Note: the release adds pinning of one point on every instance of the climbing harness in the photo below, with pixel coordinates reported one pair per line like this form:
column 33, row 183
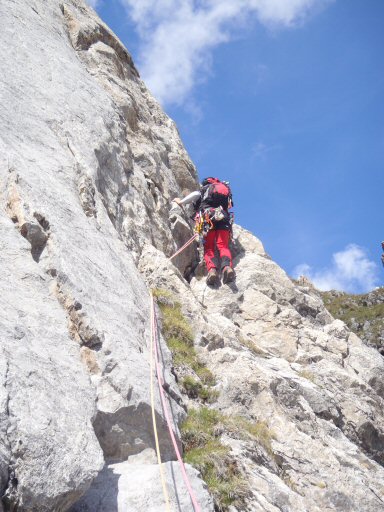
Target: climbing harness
column 205, row 219
column 155, row 357
column 204, row 222
column 216, row 200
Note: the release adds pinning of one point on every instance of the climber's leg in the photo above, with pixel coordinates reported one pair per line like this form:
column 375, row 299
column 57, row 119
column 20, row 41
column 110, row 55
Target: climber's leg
column 209, row 250
column 222, row 242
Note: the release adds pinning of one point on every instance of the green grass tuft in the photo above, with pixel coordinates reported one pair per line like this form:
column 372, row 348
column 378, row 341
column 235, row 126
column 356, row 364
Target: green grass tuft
column 259, row 430
column 204, row 374
column 201, row 433
column 191, row 386
column 195, row 389
column 179, row 337
column 203, row 450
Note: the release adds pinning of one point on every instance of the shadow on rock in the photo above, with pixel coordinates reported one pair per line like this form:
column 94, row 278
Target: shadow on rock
column 103, row 494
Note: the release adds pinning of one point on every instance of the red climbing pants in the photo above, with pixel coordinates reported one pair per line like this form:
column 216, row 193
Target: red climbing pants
column 221, row 237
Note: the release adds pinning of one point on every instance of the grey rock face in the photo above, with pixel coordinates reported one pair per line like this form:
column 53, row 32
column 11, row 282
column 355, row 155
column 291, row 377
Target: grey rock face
column 89, row 164
column 136, row 486
column 141, row 165
column 362, row 313
column 49, row 451
column 282, row 361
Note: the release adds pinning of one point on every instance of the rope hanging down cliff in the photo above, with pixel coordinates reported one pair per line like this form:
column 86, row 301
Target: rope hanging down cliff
column 192, row 239
column 152, row 349
column 155, row 357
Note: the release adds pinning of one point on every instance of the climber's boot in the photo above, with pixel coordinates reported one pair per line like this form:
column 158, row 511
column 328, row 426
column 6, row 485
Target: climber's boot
column 212, row 277
column 228, row 274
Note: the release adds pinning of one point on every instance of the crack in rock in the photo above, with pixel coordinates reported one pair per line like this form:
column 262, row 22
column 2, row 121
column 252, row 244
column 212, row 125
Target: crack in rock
column 79, row 324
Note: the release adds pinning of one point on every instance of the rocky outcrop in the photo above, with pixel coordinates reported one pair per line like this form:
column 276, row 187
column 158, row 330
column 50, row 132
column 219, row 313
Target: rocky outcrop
column 363, row 314
column 280, row 359
column 135, row 483
column 89, row 164
column 47, row 403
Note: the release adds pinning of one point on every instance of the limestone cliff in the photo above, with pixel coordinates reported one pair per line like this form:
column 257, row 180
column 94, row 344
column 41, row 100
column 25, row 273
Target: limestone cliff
column 88, row 165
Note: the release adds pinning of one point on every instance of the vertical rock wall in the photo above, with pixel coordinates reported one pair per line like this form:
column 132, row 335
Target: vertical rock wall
column 88, row 165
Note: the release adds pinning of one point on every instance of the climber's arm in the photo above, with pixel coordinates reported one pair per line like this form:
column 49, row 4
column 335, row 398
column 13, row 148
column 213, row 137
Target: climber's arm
column 190, row 198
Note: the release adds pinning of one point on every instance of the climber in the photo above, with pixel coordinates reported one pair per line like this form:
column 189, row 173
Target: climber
column 211, row 204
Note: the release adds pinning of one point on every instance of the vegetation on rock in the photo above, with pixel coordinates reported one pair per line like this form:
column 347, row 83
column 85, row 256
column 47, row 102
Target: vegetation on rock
column 203, row 449
column 195, row 389
column 203, row 428
column 179, row 337
column 363, row 314
column 202, row 432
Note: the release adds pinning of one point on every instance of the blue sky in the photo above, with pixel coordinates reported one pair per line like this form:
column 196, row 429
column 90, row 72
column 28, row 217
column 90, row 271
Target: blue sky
column 284, row 98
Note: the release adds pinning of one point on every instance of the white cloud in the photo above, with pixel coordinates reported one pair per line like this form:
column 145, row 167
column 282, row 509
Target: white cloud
column 351, row 271
column 177, row 36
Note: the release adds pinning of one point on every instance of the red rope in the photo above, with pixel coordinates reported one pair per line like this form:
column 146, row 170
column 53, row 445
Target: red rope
column 196, row 506
column 185, row 246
